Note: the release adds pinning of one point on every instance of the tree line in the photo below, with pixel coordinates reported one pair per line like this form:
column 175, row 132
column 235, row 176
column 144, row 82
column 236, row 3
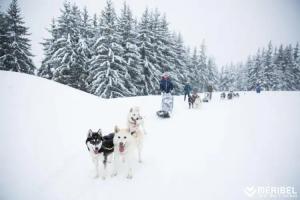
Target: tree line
column 114, row 55
column 273, row 68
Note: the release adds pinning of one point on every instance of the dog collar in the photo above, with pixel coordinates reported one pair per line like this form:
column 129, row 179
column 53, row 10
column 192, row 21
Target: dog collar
column 107, row 148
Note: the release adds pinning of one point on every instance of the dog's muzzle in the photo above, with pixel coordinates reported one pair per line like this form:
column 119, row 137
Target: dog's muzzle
column 121, row 147
column 96, row 150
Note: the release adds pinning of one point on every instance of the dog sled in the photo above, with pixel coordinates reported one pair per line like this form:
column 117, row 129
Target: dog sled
column 166, row 106
column 206, row 97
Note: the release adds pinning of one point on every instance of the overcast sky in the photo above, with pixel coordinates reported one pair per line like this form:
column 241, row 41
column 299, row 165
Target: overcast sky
column 232, row 29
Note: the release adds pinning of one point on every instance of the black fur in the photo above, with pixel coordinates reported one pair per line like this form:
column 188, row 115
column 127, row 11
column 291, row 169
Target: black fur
column 192, row 100
column 107, row 146
column 94, row 138
column 223, row 95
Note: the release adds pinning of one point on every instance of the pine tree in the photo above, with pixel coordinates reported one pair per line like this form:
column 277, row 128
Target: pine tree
column 166, row 52
column 269, row 70
column 148, row 57
column 15, row 47
column 47, row 68
column 242, row 77
column 254, row 71
column 181, row 60
column 108, row 68
column 202, row 71
column 289, row 78
column 193, row 68
column 296, row 66
column 227, row 79
column 4, row 39
column 134, row 78
column 279, row 62
column 212, row 76
column 65, row 52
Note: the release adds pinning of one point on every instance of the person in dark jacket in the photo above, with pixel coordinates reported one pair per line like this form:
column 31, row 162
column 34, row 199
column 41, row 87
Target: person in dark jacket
column 166, row 85
column 187, row 90
column 258, row 88
column 210, row 90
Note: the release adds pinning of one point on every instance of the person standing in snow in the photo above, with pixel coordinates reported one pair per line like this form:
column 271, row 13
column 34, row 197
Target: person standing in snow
column 210, row 90
column 258, row 88
column 187, row 90
column 166, row 87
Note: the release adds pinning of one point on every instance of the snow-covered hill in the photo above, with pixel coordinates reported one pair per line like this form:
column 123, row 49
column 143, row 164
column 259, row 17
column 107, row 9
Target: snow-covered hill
column 211, row 153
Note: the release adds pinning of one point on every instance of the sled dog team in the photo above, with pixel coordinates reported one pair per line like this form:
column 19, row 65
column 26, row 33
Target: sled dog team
column 121, row 145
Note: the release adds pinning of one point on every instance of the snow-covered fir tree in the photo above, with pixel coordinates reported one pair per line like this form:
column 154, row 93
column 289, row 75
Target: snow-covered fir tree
column 181, row 60
column 47, row 68
column 274, row 69
column 201, row 69
column 134, row 79
column 15, row 48
column 107, row 67
column 165, row 50
column 193, row 70
column 212, row 76
column 66, row 52
column 254, row 71
column 269, row 71
column 226, row 79
column 148, row 58
column 296, row 66
column 4, row 39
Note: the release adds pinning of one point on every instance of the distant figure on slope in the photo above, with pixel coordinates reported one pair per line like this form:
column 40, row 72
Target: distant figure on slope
column 166, row 87
column 187, row 90
column 210, row 90
column 258, row 88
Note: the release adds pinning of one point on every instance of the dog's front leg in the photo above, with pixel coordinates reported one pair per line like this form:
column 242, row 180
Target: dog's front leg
column 129, row 167
column 143, row 127
column 116, row 164
column 96, row 163
column 104, row 166
column 139, row 148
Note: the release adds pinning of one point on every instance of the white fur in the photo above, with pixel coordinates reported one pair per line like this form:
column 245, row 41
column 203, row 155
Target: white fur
column 126, row 157
column 197, row 103
column 136, row 125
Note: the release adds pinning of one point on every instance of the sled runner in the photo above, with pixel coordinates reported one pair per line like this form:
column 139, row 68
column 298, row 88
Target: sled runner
column 166, row 106
column 163, row 114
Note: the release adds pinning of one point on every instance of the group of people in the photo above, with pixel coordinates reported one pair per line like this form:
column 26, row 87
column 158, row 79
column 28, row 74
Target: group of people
column 166, row 86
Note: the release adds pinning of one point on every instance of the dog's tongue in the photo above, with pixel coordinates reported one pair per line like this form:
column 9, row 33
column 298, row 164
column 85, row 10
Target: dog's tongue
column 121, row 148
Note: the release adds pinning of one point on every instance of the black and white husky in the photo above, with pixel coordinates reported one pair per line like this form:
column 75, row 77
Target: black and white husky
column 100, row 147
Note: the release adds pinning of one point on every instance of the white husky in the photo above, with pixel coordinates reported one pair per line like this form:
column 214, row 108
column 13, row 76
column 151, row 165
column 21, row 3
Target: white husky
column 135, row 124
column 124, row 148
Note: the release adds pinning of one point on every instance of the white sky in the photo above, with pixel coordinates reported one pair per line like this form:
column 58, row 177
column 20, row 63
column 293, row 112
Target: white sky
column 232, row 29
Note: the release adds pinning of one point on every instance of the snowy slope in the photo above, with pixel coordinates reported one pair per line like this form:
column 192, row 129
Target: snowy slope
column 211, row 153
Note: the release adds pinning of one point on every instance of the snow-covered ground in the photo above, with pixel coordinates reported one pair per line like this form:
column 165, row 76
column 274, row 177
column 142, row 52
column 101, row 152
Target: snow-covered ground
column 211, row 153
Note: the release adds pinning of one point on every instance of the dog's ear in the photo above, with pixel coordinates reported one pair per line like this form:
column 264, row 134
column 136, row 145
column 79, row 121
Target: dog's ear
column 100, row 132
column 131, row 109
column 90, row 132
column 133, row 133
column 117, row 129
